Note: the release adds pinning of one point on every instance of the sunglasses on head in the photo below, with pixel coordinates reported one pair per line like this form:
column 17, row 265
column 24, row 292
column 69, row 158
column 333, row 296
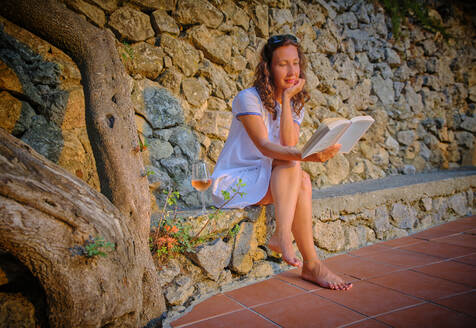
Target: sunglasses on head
column 275, row 39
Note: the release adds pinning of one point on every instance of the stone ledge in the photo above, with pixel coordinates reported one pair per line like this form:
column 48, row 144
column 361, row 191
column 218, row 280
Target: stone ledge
column 408, row 188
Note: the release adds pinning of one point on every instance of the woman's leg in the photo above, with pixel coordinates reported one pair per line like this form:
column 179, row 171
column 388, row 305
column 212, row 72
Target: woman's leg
column 313, row 269
column 284, row 186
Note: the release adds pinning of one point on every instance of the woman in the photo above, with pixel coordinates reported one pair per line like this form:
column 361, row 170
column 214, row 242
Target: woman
column 261, row 151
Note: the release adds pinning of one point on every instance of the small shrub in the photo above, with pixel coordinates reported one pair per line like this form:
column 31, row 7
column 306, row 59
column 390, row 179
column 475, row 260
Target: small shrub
column 172, row 237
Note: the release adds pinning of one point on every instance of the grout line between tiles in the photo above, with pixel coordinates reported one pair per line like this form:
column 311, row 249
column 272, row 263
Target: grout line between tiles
column 207, row 318
column 402, row 292
column 442, row 278
column 362, row 320
column 448, row 308
column 266, row 318
column 456, row 294
column 343, row 305
column 375, row 316
column 259, row 314
column 273, row 301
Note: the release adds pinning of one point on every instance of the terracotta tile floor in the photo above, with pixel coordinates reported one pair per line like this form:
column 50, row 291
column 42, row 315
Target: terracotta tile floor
column 425, row 280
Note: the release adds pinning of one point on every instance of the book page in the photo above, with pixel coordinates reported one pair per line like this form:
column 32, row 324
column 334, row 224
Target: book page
column 325, row 137
column 358, row 127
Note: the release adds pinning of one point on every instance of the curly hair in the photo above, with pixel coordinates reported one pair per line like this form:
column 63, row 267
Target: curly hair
column 263, row 80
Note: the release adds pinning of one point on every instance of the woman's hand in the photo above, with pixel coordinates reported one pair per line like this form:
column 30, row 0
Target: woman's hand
column 324, row 155
column 295, row 89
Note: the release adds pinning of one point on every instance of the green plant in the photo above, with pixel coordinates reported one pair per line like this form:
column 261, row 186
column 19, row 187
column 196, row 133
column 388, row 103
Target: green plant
column 93, row 246
column 401, row 9
column 128, row 53
column 172, row 236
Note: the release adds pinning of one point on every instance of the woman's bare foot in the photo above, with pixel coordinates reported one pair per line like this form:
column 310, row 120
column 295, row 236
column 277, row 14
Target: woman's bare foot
column 287, row 251
column 318, row 273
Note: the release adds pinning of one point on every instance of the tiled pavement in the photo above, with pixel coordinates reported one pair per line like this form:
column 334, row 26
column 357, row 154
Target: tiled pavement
column 427, row 279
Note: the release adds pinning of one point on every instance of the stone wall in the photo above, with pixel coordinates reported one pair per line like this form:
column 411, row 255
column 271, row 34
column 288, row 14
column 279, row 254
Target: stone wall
column 188, row 58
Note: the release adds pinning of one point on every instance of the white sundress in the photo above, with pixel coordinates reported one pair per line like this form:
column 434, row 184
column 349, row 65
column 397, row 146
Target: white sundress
column 240, row 158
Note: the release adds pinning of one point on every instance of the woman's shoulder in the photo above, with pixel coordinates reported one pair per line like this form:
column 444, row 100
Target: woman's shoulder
column 249, row 92
column 247, row 100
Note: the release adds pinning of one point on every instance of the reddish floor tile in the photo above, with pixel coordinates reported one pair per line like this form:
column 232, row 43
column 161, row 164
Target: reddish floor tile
column 436, row 232
column 469, row 219
column 463, row 239
column 361, row 268
column 215, row 305
column 369, row 249
column 263, row 292
column 457, row 272
column 469, row 259
column 337, row 259
column 369, row 323
column 403, row 241
column 244, row 318
column 462, row 303
column 369, row 299
column 427, row 315
column 460, row 225
column 419, row 284
column 401, row 258
column 307, row 310
column 439, row 249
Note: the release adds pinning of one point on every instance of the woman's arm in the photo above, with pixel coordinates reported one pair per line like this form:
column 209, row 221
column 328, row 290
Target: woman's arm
column 256, row 130
column 288, row 129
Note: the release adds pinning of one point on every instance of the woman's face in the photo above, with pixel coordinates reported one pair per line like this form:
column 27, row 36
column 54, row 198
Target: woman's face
column 285, row 68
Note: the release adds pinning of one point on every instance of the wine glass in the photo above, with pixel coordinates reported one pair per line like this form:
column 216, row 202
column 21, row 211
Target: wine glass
column 201, row 179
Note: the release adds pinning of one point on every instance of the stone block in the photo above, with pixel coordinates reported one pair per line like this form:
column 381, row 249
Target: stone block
column 215, row 45
column 162, row 109
column 329, row 236
column 183, row 54
column 236, row 14
column 215, row 123
column 403, row 215
column 180, row 290
column 244, row 248
column 261, row 19
column 198, row 11
column 383, row 89
column 162, row 22
column 458, row 204
column 212, row 257
column 131, row 24
column 168, row 272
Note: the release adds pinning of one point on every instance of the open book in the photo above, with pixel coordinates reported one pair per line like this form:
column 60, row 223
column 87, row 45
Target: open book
column 337, row 130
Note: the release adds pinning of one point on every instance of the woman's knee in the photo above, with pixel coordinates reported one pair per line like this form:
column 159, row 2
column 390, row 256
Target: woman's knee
column 286, row 164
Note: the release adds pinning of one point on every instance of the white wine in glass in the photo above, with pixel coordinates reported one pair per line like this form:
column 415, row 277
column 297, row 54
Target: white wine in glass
column 201, row 180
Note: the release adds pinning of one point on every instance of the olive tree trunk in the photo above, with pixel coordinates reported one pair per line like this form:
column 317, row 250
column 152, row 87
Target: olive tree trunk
column 44, row 211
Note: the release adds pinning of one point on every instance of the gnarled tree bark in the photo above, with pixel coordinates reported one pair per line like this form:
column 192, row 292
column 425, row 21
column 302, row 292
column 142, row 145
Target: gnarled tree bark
column 44, row 211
